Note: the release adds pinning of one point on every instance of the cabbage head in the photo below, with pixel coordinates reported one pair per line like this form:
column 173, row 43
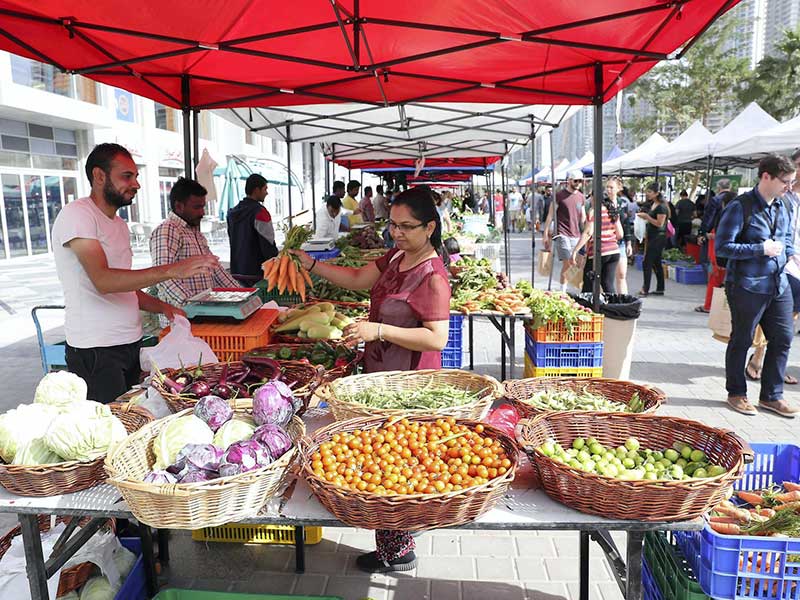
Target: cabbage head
column 23, row 424
column 90, row 408
column 233, row 431
column 36, row 452
column 60, row 387
column 175, row 435
column 78, row 437
column 98, row 588
column 273, row 403
column 124, row 559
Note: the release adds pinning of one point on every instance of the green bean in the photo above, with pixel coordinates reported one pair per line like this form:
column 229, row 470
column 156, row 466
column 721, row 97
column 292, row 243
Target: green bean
column 424, row 398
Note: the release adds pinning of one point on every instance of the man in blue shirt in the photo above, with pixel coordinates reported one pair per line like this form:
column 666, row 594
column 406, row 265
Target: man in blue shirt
column 755, row 234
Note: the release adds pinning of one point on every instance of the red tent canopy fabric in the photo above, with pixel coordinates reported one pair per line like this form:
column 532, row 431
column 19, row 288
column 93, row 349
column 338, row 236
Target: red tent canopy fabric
column 210, row 54
column 455, row 163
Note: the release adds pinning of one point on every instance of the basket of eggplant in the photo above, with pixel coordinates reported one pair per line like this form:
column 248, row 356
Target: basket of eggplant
column 182, row 388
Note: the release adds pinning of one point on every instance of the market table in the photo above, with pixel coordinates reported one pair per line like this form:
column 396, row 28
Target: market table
column 505, row 325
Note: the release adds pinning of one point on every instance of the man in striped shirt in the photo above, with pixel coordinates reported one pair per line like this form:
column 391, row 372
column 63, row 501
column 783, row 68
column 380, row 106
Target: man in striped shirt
column 179, row 237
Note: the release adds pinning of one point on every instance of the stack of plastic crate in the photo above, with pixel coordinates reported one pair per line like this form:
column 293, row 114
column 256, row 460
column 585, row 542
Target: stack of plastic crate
column 452, row 353
column 553, row 350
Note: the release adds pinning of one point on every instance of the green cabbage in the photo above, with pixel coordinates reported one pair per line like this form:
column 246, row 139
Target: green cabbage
column 90, row 408
column 76, row 436
column 23, row 424
column 36, row 452
column 60, row 387
column 124, row 560
column 98, row 588
column 175, row 435
column 70, row 596
column 233, row 431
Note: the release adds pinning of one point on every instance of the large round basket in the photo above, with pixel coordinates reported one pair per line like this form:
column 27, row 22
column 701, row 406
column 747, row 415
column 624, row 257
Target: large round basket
column 302, row 377
column 404, row 512
column 71, row 476
column 70, row 578
column 641, row 500
column 192, row 505
column 328, row 374
column 518, row 391
column 486, row 388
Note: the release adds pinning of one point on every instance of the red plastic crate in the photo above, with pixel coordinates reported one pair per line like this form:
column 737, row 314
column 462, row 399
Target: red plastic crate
column 583, row 331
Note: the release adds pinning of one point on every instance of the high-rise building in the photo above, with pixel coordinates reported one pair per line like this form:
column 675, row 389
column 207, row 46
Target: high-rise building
column 780, row 16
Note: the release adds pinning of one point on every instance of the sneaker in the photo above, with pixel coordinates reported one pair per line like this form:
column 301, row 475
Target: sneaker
column 742, row 405
column 372, row 564
column 780, row 407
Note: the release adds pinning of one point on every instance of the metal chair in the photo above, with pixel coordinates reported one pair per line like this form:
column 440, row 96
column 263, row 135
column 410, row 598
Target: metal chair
column 54, row 356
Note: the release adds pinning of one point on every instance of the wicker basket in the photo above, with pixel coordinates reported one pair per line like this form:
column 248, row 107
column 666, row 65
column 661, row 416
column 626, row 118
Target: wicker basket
column 327, row 375
column 283, row 338
column 641, row 500
column 71, row 476
column 305, row 375
column 192, row 505
column 407, row 512
column 517, row 391
column 487, row 388
column 70, row 578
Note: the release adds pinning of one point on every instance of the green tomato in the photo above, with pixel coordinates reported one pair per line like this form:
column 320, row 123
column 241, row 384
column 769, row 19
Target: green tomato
column 671, row 455
column 700, row 473
column 575, row 464
column 676, row 471
column 698, row 456
column 649, row 468
column 590, row 441
column 682, row 462
column 579, row 443
column 651, row 476
column 596, row 448
column 658, row 455
column 633, row 454
column 583, row 456
column 665, row 463
column 716, row 470
column 609, row 456
column 628, row 463
column 558, row 459
column 691, row 468
column 572, row 452
column 547, row 449
column 611, row 471
column 632, row 443
column 638, row 460
column 589, row 465
column 686, row 451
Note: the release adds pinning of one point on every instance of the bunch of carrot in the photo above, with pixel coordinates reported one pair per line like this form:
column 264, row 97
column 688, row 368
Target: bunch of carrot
column 284, row 272
column 773, row 511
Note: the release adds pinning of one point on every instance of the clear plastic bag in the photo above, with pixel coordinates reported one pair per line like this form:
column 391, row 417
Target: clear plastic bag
column 178, row 347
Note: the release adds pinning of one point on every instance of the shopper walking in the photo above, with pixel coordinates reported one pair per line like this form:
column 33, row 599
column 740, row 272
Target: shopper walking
column 655, row 241
column 626, row 216
column 755, row 236
column 570, row 215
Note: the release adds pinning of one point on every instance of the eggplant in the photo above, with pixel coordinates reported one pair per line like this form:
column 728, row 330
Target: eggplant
column 239, row 376
column 197, row 388
column 183, row 379
column 238, row 390
column 198, row 372
column 263, row 366
column 222, row 389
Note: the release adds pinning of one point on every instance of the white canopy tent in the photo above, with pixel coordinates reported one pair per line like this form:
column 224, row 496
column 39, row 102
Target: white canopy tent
column 696, row 136
column 577, row 164
column 357, row 132
column 546, row 173
column 621, row 164
column 782, row 139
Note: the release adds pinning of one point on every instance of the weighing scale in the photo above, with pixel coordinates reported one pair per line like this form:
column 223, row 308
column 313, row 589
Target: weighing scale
column 223, row 303
column 321, row 245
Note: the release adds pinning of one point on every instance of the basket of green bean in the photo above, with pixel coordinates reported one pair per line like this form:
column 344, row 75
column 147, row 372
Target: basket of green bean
column 446, row 392
column 536, row 395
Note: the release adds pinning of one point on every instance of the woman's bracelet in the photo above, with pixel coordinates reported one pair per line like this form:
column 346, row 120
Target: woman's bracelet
column 380, row 332
column 314, row 264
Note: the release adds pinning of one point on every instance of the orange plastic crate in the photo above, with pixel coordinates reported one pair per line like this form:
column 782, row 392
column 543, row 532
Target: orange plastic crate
column 230, row 341
column 584, row 331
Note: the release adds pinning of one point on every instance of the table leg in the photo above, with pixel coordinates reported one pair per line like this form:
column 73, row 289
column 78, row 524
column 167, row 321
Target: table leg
column 299, row 549
column 633, row 582
column 34, row 557
column 148, row 558
column 583, row 580
column 471, row 339
column 512, row 345
column 163, row 545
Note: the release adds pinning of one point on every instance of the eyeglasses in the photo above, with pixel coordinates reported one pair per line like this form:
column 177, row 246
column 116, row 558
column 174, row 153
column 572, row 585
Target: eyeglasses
column 405, row 227
column 789, row 182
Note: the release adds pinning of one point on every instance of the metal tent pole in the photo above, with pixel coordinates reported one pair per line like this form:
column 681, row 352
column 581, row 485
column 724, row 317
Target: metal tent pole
column 327, row 176
column 289, row 169
column 195, row 138
column 187, row 133
column 530, row 204
column 313, row 190
column 504, row 177
column 554, row 204
column 597, row 182
column 491, row 201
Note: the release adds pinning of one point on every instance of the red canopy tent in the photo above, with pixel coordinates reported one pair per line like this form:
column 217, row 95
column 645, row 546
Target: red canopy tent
column 207, row 54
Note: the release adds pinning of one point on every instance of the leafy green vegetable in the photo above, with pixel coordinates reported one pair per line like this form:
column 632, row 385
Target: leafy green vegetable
column 550, row 307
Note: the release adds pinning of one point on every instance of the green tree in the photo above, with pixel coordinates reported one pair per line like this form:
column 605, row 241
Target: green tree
column 774, row 84
column 706, row 80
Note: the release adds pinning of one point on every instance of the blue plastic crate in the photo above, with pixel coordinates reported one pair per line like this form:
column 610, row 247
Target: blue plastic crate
column 584, row 355
column 325, row 254
column 650, row 589
column 451, row 355
column 134, row 586
column 695, row 275
column 741, row 567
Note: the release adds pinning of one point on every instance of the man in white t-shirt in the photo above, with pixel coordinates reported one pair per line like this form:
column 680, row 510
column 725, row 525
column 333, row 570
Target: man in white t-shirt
column 514, row 206
column 102, row 294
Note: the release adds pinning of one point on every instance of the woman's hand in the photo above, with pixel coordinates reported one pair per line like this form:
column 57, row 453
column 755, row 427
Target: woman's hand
column 629, row 249
column 305, row 260
column 362, row 331
column 643, row 215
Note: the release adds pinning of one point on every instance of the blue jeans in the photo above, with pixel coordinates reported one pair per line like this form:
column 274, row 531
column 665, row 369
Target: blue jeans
column 774, row 314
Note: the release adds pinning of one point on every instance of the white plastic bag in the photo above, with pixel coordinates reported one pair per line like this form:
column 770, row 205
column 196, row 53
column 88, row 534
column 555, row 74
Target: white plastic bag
column 639, row 228
column 178, row 346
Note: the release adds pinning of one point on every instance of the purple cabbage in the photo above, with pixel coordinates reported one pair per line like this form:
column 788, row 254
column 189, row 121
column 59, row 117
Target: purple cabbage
column 198, row 476
column 273, row 403
column 247, row 455
column 214, row 411
column 287, row 392
column 274, row 438
column 160, row 477
column 196, row 456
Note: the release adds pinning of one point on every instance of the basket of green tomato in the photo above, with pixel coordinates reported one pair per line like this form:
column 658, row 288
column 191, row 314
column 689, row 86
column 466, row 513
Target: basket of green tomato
column 337, row 360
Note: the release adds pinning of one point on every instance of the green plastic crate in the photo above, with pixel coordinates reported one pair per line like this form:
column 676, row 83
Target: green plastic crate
column 274, row 296
column 175, row 594
column 670, row 569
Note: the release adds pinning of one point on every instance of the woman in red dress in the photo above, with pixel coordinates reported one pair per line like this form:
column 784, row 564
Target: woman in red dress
column 408, row 321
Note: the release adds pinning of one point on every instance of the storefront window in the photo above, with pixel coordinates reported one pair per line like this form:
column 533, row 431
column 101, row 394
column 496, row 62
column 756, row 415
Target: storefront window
column 165, row 185
column 47, row 78
column 52, row 186
column 70, row 189
column 168, row 118
column 15, row 219
column 36, row 219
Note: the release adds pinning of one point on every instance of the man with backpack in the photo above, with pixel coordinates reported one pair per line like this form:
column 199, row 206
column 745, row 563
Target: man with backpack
column 756, row 237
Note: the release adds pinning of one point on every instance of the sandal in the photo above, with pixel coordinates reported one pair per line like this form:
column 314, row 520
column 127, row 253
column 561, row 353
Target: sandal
column 701, row 309
column 790, row 379
column 643, row 294
column 749, row 373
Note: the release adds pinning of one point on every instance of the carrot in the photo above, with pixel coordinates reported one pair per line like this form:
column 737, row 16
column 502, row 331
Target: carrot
column 269, row 267
column 766, row 512
column 307, row 277
column 736, row 513
column 791, row 486
column 788, row 497
column 724, row 520
column 751, row 498
column 726, row 528
column 795, row 506
column 284, row 261
column 290, row 273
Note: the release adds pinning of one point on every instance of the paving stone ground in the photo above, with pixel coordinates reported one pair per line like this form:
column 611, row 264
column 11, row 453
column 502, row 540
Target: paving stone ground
column 673, row 349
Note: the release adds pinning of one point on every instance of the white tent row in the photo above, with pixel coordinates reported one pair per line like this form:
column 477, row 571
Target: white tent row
column 357, row 132
column 578, row 164
column 625, row 164
column 781, row 139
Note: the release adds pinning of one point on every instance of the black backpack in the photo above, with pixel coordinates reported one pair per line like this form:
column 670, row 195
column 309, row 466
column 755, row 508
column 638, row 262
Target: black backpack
column 747, row 209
